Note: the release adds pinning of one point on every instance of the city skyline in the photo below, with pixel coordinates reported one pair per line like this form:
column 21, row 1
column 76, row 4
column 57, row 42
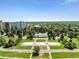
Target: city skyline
column 39, row 10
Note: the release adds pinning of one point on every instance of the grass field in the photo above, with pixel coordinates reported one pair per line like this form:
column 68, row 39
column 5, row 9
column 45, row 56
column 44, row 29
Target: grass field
column 19, row 46
column 15, row 54
column 43, row 47
column 65, row 55
column 57, row 47
column 22, row 47
column 2, row 58
column 40, row 40
column 51, row 40
column 42, row 55
column 26, row 40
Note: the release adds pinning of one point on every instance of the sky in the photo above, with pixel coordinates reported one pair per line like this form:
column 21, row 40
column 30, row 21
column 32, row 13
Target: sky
column 39, row 10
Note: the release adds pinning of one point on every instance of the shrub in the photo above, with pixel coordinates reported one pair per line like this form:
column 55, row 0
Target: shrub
column 70, row 40
column 64, row 41
column 2, row 41
column 70, row 45
column 2, row 32
column 75, row 46
column 62, row 37
column 36, row 51
column 20, row 35
column 6, row 45
column 10, row 43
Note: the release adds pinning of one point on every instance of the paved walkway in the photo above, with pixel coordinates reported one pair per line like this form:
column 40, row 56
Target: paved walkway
column 41, row 51
column 48, row 48
column 64, row 50
column 15, row 50
column 10, row 57
column 32, row 48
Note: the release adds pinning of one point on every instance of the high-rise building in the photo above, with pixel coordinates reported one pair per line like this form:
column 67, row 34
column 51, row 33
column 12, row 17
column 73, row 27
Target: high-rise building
column 7, row 26
column 0, row 24
column 20, row 25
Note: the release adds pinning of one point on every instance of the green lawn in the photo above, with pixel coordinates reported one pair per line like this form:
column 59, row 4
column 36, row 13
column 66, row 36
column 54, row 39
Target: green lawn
column 51, row 40
column 42, row 55
column 76, row 42
column 65, row 55
column 22, row 47
column 40, row 40
column 43, row 47
column 15, row 54
column 26, row 40
column 19, row 46
column 2, row 58
column 57, row 47
column 46, row 55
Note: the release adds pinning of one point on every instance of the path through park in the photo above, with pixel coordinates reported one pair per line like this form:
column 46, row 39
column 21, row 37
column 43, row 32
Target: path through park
column 41, row 51
column 48, row 50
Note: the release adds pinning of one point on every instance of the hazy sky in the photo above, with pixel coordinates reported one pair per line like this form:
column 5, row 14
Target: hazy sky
column 39, row 10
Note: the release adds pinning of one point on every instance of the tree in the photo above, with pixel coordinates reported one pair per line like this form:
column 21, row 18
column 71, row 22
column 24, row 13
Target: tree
column 10, row 34
column 19, row 32
column 70, row 34
column 75, row 34
column 20, row 35
column 57, row 34
column 53, row 35
column 69, row 27
column 49, row 34
column 2, row 32
column 10, row 43
column 62, row 36
column 2, row 41
column 64, row 41
column 24, row 31
column 70, row 40
column 31, row 34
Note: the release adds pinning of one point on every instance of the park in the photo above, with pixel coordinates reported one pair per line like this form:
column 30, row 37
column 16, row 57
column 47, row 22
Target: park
column 51, row 40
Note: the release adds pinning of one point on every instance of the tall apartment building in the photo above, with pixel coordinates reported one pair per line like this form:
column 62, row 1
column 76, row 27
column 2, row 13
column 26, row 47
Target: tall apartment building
column 0, row 24
column 20, row 25
column 7, row 26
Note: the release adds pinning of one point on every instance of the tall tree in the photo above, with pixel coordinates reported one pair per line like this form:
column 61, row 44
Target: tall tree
column 62, row 36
